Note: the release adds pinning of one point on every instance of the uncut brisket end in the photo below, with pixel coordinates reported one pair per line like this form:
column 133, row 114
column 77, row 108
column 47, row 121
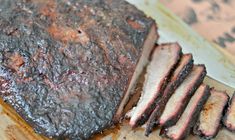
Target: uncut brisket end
column 180, row 98
column 66, row 65
column 209, row 121
column 229, row 118
column 182, row 70
column 190, row 115
column 164, row 59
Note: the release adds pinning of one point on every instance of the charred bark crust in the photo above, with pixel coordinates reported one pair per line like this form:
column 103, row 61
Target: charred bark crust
column 196, row 131
column 176, row 117
column 232, row 100
column 169, row 90
column 65, row 65
column 148, row 112
column 194, row 118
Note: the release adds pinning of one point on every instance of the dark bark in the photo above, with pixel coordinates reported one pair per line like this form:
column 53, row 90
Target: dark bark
column 182, row 70
column 66, row 65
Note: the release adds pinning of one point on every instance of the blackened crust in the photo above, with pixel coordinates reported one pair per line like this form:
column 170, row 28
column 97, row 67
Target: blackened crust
column 150, row 109
column 126, row 101
column 230, row 128
column 169, row 90
column 194, row 118
column 198, row 132
column 65, row 65
column 176, row 117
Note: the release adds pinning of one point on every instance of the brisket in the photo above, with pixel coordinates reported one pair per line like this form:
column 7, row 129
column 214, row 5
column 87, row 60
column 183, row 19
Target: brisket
column 229, row 119
column 209, row 121
column 65, row 65
column 182, row 70
column 164, row 59
column 190, row 115
column 179, row 100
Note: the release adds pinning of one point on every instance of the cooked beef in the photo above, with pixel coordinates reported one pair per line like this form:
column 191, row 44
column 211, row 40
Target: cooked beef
column 182, row 70
column 164, row 59
column 210, row 118
column 229, row 119
column 65, row 65
column 180, row 98
column 190, row 115
column 148, row 46
column 135, row 96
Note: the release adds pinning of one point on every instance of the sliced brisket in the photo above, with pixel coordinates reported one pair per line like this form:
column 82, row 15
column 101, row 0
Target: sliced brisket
column 190, row 115
column 229, row 119
column 65, row 65
column 179, row 100
column 182, row 70
column 164, row 59
column 210, row 118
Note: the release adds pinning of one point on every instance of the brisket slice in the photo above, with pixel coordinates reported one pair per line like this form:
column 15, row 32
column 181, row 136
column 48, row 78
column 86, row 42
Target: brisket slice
column 182, row 70
column 209, row 121
column 164, row 59
column 66, row 65
column 190, row 115
column 229, row 118
column 135, row 96
column 179, row 100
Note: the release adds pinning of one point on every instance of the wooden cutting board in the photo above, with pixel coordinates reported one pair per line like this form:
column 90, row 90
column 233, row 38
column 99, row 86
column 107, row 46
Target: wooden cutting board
column 12, row 127
column 124, row 131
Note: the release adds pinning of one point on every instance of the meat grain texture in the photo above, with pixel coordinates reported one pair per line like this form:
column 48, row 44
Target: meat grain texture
column 164, row 60
column 190, row 115
column 65, row 65
column 182, row 70
column 209, row 121
column 182, row 95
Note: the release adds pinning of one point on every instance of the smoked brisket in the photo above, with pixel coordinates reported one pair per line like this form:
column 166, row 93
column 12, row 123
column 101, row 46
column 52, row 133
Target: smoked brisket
column 190, row 115
column 210, row 118
column 65, row 65
column 180, row 98
column 229, row 119
column 164, row 59
column 180, row 73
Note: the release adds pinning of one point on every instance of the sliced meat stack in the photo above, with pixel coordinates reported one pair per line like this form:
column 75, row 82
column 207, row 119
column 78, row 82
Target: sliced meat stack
column 210, row 118
column 164, row 59
column 182, row 70
column 229, row 119
column 179, row 100
column 190, row 115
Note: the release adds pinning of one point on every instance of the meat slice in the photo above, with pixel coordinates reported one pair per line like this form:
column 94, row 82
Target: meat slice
column 143, row 61
column 179, row 100
column 182, row 70
column 210, row 118
column 65, row 65
column 190, row 115
column 229, row 118
column 164, row 59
